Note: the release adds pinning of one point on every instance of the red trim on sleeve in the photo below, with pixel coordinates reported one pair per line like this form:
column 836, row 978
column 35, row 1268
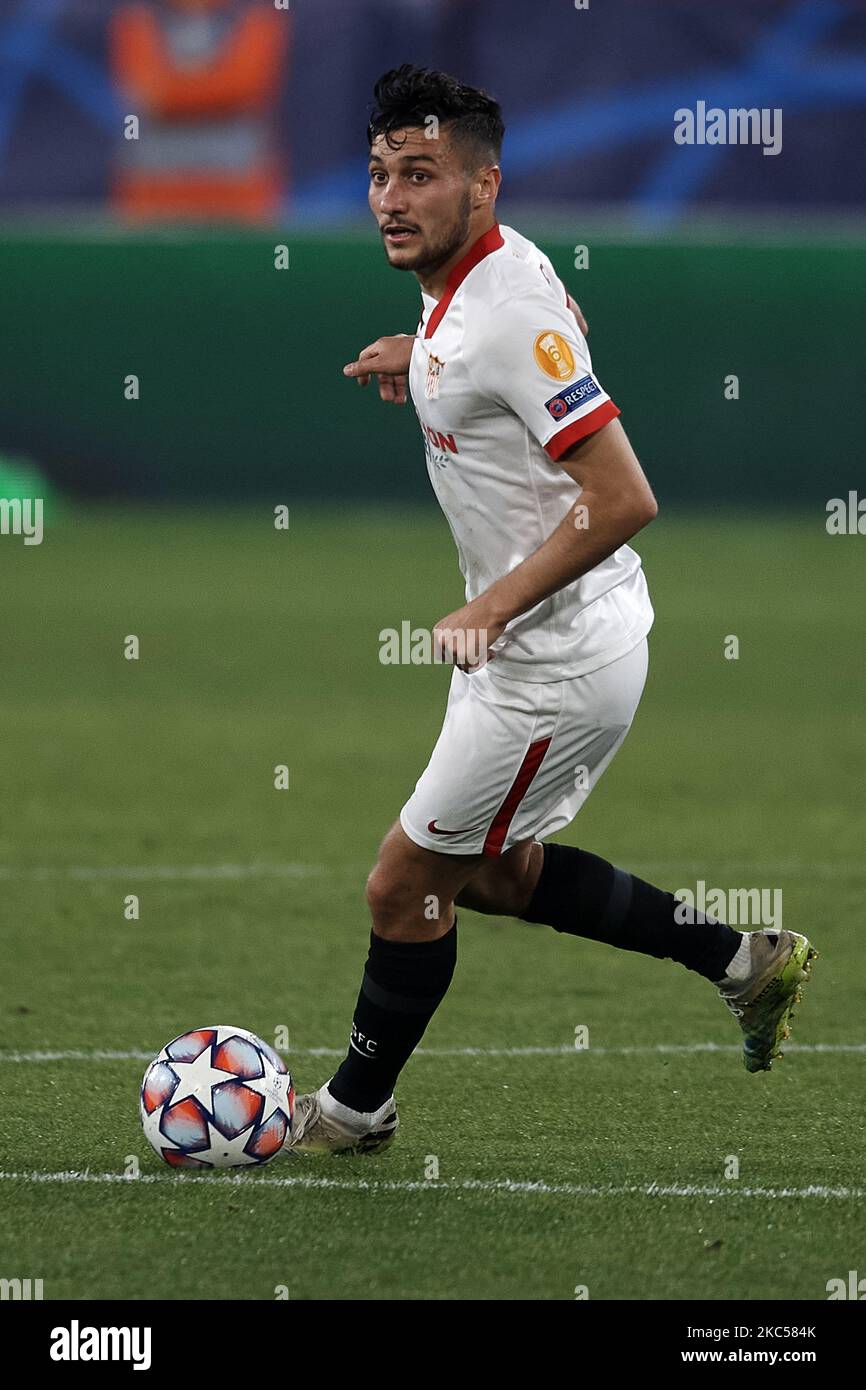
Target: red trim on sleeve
column 490, row 241
column 560, row 443
column 495, row 838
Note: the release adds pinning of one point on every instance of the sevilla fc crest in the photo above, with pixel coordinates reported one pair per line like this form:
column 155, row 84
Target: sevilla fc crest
column 435, row 368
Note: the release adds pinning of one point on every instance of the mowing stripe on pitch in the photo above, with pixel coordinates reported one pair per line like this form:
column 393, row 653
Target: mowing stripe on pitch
column 506, row 1185
column 648, row 1050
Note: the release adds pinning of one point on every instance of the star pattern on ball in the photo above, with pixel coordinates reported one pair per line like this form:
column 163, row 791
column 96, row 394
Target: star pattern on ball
column 223, row 1152
column 273, row 1087
column 198, row 1078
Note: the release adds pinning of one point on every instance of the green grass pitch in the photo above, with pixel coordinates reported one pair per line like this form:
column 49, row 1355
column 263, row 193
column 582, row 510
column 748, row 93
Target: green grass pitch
column 155, row 777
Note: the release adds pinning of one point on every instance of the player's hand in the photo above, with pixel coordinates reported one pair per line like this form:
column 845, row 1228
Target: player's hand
column 465, row 637
column 388, row 360
column 578, row 314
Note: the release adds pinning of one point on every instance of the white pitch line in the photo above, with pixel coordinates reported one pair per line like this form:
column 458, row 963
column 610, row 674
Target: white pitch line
column 739, row 870
column 507, row 1185
column 736, row 870
column 653, row 1049
column 167, row 872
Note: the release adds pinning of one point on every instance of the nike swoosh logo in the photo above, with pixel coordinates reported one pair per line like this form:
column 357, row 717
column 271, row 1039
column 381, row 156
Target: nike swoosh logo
column 434, row 830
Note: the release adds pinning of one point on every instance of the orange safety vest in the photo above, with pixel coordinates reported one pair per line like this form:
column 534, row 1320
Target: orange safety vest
column 204, row 88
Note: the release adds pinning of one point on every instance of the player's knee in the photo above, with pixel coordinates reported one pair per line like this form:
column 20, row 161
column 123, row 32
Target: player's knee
column 402, row 908
column 389, row 902
column 381, row 897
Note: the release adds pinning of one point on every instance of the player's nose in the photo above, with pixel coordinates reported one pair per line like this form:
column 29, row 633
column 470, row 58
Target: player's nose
column 391, row 200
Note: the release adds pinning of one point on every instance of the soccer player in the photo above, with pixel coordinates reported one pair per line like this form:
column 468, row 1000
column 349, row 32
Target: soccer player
column 542, row 491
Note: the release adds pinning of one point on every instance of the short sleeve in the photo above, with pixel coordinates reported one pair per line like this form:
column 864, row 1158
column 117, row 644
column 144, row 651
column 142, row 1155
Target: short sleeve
column 531, row 357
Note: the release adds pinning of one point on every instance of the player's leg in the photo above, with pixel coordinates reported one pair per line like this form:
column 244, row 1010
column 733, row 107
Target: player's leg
column 458, row 815
column 410, row 963
column 573, row 890
column 409, row 967
column 411, row 889
column 759, row 974
column 581, row 894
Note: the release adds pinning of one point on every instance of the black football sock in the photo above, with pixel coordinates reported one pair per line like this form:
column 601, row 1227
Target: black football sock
column 404, row 983
column 584, row 895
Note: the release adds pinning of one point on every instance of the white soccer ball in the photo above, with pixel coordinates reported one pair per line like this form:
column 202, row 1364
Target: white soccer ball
column 217, row 1097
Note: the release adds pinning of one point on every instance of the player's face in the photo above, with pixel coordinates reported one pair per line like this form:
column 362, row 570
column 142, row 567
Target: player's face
column 420, row 195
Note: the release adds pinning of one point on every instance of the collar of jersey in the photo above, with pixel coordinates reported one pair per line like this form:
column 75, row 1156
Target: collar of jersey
column 490, row 241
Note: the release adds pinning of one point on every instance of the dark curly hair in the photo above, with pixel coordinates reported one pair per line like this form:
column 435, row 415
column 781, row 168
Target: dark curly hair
column 407, row 96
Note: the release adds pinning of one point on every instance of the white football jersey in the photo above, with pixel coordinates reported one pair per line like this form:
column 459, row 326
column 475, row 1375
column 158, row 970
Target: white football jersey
column 502, row 382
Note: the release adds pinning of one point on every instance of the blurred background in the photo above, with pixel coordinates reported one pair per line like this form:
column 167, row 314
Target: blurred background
column 153, row 153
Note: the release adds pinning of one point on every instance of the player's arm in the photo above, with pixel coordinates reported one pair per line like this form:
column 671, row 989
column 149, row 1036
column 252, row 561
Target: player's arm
column 616, row 502
column 578, row 313
column 388, row 360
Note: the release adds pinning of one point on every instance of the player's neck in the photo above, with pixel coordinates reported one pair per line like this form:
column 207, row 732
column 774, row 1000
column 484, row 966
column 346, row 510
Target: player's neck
column 436, row 283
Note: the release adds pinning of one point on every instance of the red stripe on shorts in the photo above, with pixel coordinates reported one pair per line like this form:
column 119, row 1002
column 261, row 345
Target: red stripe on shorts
column 505, row 815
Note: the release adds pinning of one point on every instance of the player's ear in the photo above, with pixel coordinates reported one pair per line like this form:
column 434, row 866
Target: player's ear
column 488, row 182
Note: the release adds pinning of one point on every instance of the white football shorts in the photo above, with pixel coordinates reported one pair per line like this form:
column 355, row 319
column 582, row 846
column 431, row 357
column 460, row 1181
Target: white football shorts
column 517, row 759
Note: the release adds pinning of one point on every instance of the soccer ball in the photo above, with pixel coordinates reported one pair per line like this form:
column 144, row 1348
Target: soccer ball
column 217, row 1098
